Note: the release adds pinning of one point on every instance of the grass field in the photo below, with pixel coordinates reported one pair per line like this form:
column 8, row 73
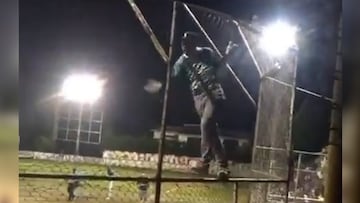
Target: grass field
column 41, row 190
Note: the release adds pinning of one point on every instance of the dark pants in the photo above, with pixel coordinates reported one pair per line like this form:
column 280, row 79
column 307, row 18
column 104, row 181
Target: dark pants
column 211, row 146
column 71, row 189
column 71, row 192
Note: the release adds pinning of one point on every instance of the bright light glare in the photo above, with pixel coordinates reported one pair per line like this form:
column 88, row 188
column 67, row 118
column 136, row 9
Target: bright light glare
column 277, row 38
column 82, row 88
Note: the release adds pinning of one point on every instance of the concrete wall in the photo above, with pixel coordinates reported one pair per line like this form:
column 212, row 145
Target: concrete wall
column 134, row 159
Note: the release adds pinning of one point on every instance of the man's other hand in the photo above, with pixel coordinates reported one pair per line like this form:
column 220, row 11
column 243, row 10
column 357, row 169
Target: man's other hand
column 153, row 86
column 231, row 47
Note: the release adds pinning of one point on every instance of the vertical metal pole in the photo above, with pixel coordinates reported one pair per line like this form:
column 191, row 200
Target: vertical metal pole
column 56, row 120
column 101, row 125
column 79, row 130
column 290, row 133
column 165, row 108
column 333, row 177
column 235, row 193
column 269, row 185
column 255, row 149
column 148, row 30
column 67, row 122
column 251, row 53
column 297, row 171
column 90, row 122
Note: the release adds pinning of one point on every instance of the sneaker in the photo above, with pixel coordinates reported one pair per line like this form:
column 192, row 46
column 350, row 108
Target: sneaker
column 223, row 173
column 203, row 170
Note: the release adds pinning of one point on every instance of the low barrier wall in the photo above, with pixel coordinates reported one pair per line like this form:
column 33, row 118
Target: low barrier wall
column 132, row 159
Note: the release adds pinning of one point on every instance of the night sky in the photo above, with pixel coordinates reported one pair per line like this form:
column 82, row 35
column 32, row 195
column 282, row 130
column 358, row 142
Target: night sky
column 60, row 36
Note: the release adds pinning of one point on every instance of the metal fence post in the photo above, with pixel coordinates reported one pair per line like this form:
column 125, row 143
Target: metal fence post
column 291, row 118
column 164, row 111
column 333, row 177
column 56, row 120
column 235, row 193
column 298, row 168
column 78, row 132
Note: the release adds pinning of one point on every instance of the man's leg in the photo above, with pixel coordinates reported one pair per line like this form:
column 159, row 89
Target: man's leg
column 211, row 132
column 219, row 151
column 142, row 194
column 145, row 196
column 110, row 190
column 71, row 192
column 206, row 139
column 206, row 153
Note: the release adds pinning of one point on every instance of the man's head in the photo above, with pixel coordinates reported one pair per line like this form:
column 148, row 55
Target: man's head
column 189, row 42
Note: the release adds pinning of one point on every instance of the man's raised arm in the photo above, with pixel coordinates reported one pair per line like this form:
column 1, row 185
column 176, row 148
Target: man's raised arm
column 216, row 61
column 177, row 68
column 230, row 49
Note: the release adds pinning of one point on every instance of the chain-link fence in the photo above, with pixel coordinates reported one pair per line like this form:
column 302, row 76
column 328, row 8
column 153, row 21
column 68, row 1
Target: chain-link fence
column 54, row 187
column 272, row 144
column 50, row 181
column 306, row 184
column 35, row 190
column 56, row 181
column 308, row 176
column 57, row 190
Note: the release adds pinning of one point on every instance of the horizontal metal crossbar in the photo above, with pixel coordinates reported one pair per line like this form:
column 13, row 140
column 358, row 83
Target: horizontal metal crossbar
column 74, row 141
column 295, row 169
column 293, row 151
column 82, row 130
column 300, row 89
column 153, row 179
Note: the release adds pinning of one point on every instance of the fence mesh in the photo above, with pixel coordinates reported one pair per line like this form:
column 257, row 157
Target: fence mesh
column 273, row 128
column 56, row 190
column 239, row 77
column 34, row 190
column 306, row 184
column 308, row 180
column 272, row 136
column 275, row 76
column 272, row 142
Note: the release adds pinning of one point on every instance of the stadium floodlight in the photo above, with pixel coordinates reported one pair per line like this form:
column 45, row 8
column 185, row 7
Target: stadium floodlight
column 277, row 38
column 82, row 88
